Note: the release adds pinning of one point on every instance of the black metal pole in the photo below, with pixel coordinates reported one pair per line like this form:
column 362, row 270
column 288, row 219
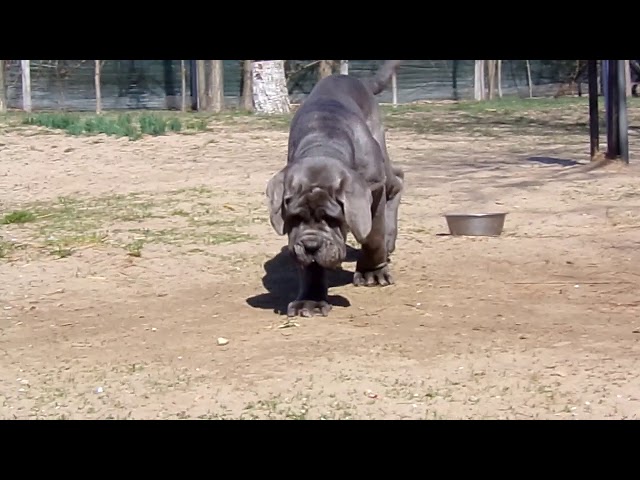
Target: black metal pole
column 454, row 78
column 594, row 117
column 193, row 72
column 169, row 83
column 169, row 79
column 623, row 125
column 613, row 137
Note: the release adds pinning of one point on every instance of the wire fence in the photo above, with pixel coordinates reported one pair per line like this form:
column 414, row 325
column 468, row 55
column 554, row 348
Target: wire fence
column 156, row 84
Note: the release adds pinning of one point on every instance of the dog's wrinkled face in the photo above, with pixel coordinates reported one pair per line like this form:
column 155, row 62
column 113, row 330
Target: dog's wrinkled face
column 314, row 222
column 316, row 204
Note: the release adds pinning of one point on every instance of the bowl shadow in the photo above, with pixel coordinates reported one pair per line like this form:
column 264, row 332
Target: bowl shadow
column 281, row 282
column 563, row 162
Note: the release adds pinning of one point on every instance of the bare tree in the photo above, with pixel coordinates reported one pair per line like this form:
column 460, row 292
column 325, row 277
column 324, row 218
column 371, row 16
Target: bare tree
column 627, row 76
column 97, row 79
column 478, row 81
column 246, row 101
column 25, row 67
column 394, row 89
column 216, row 86
column 269, row 84
column 3, row 89
column 183, row 86
column 491, row 67
column 344, row 67
column 529, row 81
column 325, row 68
column 201, row 67
column 499, row 67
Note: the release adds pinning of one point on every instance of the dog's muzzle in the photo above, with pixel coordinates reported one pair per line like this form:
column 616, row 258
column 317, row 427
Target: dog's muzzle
column 312, row 248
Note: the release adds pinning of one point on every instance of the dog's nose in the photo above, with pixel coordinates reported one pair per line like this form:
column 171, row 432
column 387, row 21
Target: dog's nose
column 311, row 246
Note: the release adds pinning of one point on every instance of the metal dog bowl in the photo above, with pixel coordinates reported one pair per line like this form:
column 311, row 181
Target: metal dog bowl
column 476, row 224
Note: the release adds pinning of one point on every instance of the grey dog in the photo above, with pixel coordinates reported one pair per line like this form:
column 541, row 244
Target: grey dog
column 338, row 179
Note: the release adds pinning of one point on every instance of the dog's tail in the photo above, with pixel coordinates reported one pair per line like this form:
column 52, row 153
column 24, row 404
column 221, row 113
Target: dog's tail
column 381, row 79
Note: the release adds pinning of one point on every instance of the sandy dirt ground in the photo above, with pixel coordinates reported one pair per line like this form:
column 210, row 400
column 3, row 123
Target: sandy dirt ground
column 143, row 253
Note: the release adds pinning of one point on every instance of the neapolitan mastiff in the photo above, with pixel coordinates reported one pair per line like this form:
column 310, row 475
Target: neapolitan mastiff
column 338, row 179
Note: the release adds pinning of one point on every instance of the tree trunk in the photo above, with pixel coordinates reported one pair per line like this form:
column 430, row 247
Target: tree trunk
column 269, row 85
column 25, row 67
column 344, row 67
column 247, row 89
column 325, row 68
column 97, row 73
column 394, row 89
column 216, row 86
column 183, row 86
column 478, row 81
column 3, row 89
column 491, row 67
column 627, row 76
column 201, row 68
column 529, row 82
column 499, row 67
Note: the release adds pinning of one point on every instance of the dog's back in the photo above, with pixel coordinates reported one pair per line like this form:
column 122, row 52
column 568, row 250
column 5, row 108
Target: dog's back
column 339, row 106
column 347, row 88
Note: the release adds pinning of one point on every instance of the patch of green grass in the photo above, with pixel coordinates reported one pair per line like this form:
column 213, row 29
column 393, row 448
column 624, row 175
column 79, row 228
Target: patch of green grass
column 153, row 124
column 495, row 118
column 197, row 124
column 225, row 237
column 18, row 216
column 131, row 125
column 134, row 249
column 5, row 248
column 61, row 252
column 174, row 124
column 124, row 221
column 180, row 213
column 274, row 122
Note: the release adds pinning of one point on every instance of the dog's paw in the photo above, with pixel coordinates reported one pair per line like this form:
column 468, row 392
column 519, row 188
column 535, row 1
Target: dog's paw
column 381, row 276
column 308, row 308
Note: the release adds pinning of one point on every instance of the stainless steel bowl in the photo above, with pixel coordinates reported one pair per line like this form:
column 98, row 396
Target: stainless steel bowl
column 476, row 224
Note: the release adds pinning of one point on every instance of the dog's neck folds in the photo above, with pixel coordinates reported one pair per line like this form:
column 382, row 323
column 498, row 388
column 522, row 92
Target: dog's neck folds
column 320, row 151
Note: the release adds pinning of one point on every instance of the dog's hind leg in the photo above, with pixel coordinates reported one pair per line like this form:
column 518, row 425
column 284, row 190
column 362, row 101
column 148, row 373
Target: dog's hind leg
column 371, row 267
column 313, row 293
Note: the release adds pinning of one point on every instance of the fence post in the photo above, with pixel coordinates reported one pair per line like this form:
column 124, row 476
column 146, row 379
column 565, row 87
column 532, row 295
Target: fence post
column 96, row 76
column 478, row 81
column 203, row 101
column 25, row 67
column 594, row 127
column 3, row 89
column 183, row 85
column 193, row 76
column 394, row 89
column 216, row 86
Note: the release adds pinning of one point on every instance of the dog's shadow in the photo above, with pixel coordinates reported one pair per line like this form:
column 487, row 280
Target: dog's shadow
column 281, row 282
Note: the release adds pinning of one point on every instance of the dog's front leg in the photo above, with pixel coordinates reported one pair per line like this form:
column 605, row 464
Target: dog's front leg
column 392, row 207
column 313, row 293
column 372, row 268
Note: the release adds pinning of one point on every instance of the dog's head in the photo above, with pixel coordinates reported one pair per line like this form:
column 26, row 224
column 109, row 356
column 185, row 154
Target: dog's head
column 316, row 203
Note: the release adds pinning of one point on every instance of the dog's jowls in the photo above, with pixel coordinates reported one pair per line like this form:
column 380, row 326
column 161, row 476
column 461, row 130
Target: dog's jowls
column 338, row 179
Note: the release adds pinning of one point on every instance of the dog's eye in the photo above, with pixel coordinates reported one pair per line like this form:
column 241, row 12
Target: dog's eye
column 294, row 219
column 332, row 222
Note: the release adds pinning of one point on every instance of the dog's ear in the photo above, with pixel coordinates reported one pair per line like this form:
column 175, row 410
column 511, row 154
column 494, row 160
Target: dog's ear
column 356, row 198
column 275, row 194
